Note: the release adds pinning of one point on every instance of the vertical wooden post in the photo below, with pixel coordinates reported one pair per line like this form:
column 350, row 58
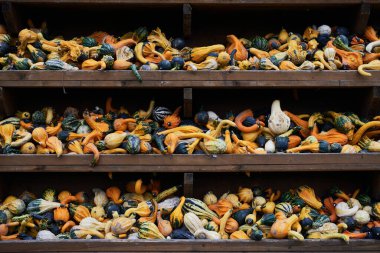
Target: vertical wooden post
column 372, row 103
column 188, row 184
column 188, row 102
column 375, row 186
column 186, row 20
column 6, row 103
column 11, row 17
column 362, row 18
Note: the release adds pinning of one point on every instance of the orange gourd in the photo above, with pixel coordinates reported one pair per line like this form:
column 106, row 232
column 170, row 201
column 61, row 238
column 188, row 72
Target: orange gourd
column 92, row 137
column 91, row 148
column 351, row 59
column 54, row 130
column 40, row 136
column 122, row 124
column 331, row 136
column 67, row 226
column 241, row 52
column 242, row 116
column 305, row 132
column 98, row 126
column 329, row 205
column 221, row 207
column 171, row 142
column 55, row 144
column 370, row 34
column 173, row 120
column 81, row 212
column 231, row 226
column 294, row 141
column 61, row 214
column 163, row 225
column 114, row 193
column 371, row 57
column 6, row 132
column 282, row 225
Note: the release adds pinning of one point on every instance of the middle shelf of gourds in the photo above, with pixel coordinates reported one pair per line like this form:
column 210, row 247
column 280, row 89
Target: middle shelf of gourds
column 146, row 212
column 159, row 130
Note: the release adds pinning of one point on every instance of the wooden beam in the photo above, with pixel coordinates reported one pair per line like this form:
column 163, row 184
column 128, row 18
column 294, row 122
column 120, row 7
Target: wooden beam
column 362, row 18
column 7, row 107
column 186, row 20
column 188, row 102
column 372, row 104
column 11, row 17
column 188, row 184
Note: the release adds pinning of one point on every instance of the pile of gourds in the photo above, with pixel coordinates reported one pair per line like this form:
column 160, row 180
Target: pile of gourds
column 158, row 130
column 318, row 48
column 144, row 212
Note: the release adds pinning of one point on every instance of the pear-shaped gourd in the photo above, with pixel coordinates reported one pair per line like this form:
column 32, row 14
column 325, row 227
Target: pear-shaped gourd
column 278, row 122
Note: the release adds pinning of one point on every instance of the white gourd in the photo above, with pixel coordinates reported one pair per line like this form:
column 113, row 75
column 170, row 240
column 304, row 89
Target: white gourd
column 192, row 222
column 324, row 30
column 270, row 146
column 278, row 121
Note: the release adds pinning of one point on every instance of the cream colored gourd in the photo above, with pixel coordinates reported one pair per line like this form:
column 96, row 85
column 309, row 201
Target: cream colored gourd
column 210, row 198
column 278, row 122
column 113, row 140
column 343, row 210
column 205, row 234
column 192, row 222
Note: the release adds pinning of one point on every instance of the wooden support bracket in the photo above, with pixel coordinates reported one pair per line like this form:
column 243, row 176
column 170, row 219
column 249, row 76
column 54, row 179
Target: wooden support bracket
column 188, row 102
column 188, row 184
column 362, row 18
column 6, row 103
column 186, row 20
column 371, row 108
column 11, row 17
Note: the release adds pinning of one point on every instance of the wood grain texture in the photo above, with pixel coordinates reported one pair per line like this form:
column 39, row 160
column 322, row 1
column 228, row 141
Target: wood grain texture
column 192, row 163
column 190, row 245
column 170, row 79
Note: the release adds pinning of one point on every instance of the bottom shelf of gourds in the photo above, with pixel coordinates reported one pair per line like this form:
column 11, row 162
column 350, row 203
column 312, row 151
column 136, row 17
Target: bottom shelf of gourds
column 145, row 212
column 161, row 131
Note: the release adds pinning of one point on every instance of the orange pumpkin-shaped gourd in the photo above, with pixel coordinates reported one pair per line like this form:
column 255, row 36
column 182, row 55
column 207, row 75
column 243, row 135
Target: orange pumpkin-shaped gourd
column 6, row 132
column 231, row 226
column 61, row 214
column 173, row 120
column 241, row 52
column 221, row 207
column 40, row 136
column 282, row 225
column 55, row 144
column 163, row 225
column 122, row 124
column 114, row 193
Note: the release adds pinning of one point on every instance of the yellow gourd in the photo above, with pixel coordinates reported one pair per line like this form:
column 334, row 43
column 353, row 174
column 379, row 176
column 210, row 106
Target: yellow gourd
column 176, row 217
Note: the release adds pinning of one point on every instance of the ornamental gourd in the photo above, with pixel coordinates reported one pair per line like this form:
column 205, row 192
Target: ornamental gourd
column 278, row 121
column 282, row 225
column 176, row 217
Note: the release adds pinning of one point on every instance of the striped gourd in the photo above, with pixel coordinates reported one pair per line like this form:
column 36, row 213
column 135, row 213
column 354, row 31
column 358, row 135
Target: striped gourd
column 55, row 64
column 160, row 112
column 284, row 207
column 199, row 208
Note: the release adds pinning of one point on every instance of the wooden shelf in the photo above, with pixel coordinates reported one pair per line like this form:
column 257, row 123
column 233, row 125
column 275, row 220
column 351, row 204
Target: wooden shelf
column 268, row 245
column 196, row 79
column 192, row 163
column 200, row 2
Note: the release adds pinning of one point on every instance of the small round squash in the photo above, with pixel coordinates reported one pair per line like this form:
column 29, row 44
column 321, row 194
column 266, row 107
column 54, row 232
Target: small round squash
column 28, row 148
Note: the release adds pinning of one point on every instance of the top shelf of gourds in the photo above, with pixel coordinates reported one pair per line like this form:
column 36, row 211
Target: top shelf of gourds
column 322, row 48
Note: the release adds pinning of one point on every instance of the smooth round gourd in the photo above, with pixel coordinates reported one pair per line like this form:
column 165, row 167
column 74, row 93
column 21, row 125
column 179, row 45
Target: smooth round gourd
column 28, row 148
column 201, row 118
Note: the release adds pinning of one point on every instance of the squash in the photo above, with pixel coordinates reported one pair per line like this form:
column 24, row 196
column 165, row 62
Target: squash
column 143, row 209
column 241, row 117
column 315, row 147
column 260, row 43
column 373, row 65
column 61, row 214
column 148, row 230
column 121, row 225
column 223, row 59
column 343, row 124
column 132, row 144
column 164, row 226
column 350, row 59
column 234, row 199
column 278, row 122
column 210, row 198
column 114, row 193
column 307, row 194
column 223, row 223
column 283, row 36
column 199, row 54
column 245, row 195
column 97, row 126
column 221, row 207
column 255, row 233
column 331, row 136
column 239, row 235
column 241, row 215
column 370, row 34
column 78, row 232
column 6, row 132
column 284, row 207
column 54, row 144
column 40, row 206
column 231, row 226
column 260, row 55
column 200, row 209
column 360, row 132
column 173, row 120
column 282, row 225
column 192, row 222
column 79, row 212
column 241, row 52
column 176, row 217
column 40, row 136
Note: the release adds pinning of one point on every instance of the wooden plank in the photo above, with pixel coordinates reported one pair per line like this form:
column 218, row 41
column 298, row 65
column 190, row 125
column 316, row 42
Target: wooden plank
column 7, row 106
column 170, row 79
column 192, row 163
column 188, row 102
column 199, row 2
column 186, row 20
column 372, row 105
column 269, row 245
column 362, row 18
column 188, row 184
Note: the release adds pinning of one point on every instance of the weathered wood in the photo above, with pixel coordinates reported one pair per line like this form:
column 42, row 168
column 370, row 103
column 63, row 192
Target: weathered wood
column 188, row 102
column 188, row 184
column 186, row 20
column 372, row 105
column 11, row 17
column 362, row 18
column 6, row 102
column 89, row 79
column 190, row 245
column 192, row 163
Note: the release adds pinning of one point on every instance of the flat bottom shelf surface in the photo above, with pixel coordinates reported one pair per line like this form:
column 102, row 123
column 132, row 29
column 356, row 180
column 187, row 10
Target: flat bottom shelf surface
column 268, row 245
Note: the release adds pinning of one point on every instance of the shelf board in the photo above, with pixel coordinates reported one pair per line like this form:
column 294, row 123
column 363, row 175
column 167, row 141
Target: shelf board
column 192, row 163
column 198, row 2
column 196, row 79
column 268, row 245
